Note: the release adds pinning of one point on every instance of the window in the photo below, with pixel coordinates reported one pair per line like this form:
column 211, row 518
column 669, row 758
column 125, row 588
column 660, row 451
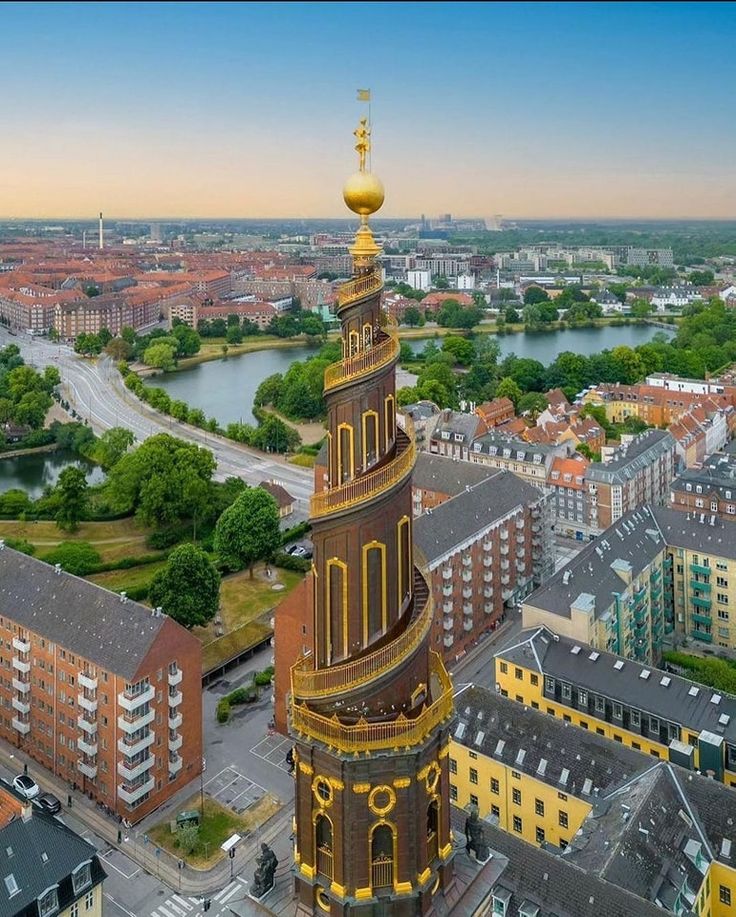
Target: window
column 473, row 799
column 653, row 724
column 518, row 674
column 495, row 811
column 549, row 684
column 635, row 716
column 566, row 691
column 74, row 910
column 600, row 705
column 618, row 711
column 539, row 807
column 582, row 698
column 517, row 824
column 534, row 679
column 494, row 786
column 562, row 796
column 722, row 598
column 540, row 835
column 724, row 894
column 89, row 901
column 563, row 819
column 453, row 766
column 48, row 903
column 504, row 668
column 473, row 775
column 453, row 792
column 516, row 796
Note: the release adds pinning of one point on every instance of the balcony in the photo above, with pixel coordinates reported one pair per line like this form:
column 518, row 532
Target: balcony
column 488, row 608
column 520, row 539
column 488, row 593
column 698, row 635
column 21, row 645
column 175, row 721
column 382, row 353
column 504, row 535
column 21, row 706
column 504, row 550
column 446, row 574
column 655, row 575
column 467, row 576
column 467, row 609
column 487, row 561
column 488, row 577
column 520, row 566
column 656, row 593
column 89, row 770
column 448, row 608
column 87, row 703
column 22, row 686
column 23, row 726
column 505, row 565
column 175, row 699
column 448, row 624
column 132, row 747
column 467, row 560
column 175, row 763
column 702, row 619
column 519, row 524
column 358, row 288
column 21, row 665
column 88, row 725
column 487, row 545
column 88, row 748
column 447, row 591
column 87, row 681
column 367, row 486
column 468, row 624
column 448, row 641
column 132, row 771
column 699, row 568
column 175, row 678
column 505, row 579
column 699, row 587
column 467, row 593
column 130, row 702
column 132, row 793
column 175, row 743
column 701, row 603
column 132, row 724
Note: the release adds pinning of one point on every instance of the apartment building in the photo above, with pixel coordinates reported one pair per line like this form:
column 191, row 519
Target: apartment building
column 641, row 257
column 481, row 551
column 101, row 691
column 436, row 479
column 650, row 830
column 628, row 702
column 47, row 868
column 454, row 434
column 495, row 412
column 531, row 461
column 569, row 496
column 114, row 311
column 638, row 472
column 655, row 404
column 709, row 490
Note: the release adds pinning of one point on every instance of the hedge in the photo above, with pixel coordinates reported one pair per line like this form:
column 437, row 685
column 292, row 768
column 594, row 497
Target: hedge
column 714, row 673
column 289, row 562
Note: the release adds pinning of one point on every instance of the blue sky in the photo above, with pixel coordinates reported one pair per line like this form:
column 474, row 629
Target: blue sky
column 192, row 109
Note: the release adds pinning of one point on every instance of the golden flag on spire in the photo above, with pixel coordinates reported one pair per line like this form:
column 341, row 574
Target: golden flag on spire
column 364, row 95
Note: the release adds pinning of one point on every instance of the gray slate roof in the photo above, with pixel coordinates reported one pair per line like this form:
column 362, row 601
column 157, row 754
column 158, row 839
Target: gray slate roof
column 673, row 701
column 446, row 475
column 717, row 475
column 29, row 841
column 441, row 530
column 82, row 617
column 456, row 422
column 574, row 760
column 628, row 460
column 683, row 530
column 634, row 539
column 495, row 443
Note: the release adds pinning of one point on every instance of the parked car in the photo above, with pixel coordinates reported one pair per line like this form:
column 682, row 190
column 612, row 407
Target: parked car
column 48, row 803
column 298, row 551
column 26, row 786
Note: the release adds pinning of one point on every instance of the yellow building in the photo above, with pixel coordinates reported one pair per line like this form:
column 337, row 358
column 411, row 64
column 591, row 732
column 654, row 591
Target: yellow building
column 663, row 715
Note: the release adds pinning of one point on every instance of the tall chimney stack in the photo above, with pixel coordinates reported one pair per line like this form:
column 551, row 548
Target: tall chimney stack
column 102, row 241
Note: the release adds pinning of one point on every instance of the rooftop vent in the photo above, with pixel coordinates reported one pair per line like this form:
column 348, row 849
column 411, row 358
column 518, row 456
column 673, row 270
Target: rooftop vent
column 724, row 719
column 564, row 776
column 123, row 597
column 694, row 691
column 593, row 656
column 645, row 673
column 715, row 699
column 57, row 569
column 666, row 681
column 618, row 664
column 575, row 650
column 542, row 768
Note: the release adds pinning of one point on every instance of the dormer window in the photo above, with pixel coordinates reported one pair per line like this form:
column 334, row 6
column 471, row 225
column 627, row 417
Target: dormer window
column 82, row 877
column 458, row 437
column 48, row 902
column 445, row 434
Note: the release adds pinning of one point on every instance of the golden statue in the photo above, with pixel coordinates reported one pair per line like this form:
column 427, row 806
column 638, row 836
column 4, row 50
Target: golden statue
column 362, row 135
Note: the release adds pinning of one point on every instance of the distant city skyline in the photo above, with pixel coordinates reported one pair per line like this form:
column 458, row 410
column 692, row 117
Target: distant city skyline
column 192, row 110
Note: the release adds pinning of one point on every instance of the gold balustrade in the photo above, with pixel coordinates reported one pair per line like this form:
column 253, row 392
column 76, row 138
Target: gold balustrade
column 365, row 487
column 308, row 682
column 403, row 732
column 354, row 290
column 362, row 363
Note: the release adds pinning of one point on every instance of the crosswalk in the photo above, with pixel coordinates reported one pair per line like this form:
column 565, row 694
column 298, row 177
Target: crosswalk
column 179, row 906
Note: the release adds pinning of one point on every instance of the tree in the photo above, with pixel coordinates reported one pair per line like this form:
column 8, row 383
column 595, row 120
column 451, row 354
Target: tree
column 248, row 530
column 461, row 349
column 313, row 326
column 119, row 349
column 160, row 356
column 188, row 587
column 188, row 341
column 640, row 308
column 534, row 295
column 71, row 492
column 512, row 316
column 112, row 446
column 701, row 278
column 507, row 388
column 440, row 283
column 51, row 377
column 104, row 336
column 187, row 837
column 532, row 403
column 412, row 317
column 234, row 335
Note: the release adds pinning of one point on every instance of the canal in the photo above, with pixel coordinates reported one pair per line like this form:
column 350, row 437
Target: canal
column 37, row 471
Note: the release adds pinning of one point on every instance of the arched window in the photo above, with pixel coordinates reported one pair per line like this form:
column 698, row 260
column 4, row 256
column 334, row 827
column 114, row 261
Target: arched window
column 337, row 602
column 367, row 336
column 323, row 843
column 374, row 591
column 403, row 537
column 433, row 822
column 370, row 438
column 389, row 418
column 382, row 857
column 345, row 465
column 354, row 343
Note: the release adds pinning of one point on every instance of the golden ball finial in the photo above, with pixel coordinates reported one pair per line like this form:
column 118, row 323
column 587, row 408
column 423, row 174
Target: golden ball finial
column 363, row 193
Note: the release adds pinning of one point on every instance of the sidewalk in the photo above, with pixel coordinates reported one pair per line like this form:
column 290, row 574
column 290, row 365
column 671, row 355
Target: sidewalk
column 156, row 861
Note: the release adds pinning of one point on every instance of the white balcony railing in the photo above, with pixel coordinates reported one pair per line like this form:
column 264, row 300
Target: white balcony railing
column 131, row 794
column 131, row 771
column 20, row 705
column 175, row 743
column 87, row 681
column 175, row 678
column 87, row 747
column 21, row 645
column 87, row 703
column 21, row 726
column 175, row 721
column 131, row 702
column 86, row 768
column 175, row 699
column 23, row 686
column 175, row 763
column 88, row 725
column 21, row 665
column 130, row 749
column 133, row 724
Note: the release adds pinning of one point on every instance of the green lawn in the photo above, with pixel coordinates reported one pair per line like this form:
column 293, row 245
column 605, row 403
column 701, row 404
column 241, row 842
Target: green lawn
column 126, row 580
column 112, row 540
column 219, row 824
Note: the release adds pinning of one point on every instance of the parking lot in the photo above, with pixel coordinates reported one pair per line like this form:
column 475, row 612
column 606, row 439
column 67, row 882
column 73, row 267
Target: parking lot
column 273, row 749
column 233, row 789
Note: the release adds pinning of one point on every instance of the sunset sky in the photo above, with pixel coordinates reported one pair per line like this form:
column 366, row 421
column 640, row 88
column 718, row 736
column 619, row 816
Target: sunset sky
column 247, row 110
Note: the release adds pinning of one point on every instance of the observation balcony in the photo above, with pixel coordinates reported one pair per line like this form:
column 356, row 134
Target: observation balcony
column 364, row 736
column 383, row 352
column 367, row 486
column 358, row 288
column 21, row 685
column 309, row 683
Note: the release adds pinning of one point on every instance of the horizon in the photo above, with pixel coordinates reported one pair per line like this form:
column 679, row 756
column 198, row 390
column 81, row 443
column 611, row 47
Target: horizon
column 542, row 111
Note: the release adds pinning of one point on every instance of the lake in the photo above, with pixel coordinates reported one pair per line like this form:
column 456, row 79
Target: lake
column 225, row 388
column 36, row 471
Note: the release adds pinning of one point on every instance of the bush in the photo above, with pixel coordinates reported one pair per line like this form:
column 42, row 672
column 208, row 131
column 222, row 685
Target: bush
column 244, row 695
column 223, row 710
column 301, row 528
column 165, row 538
column 20, row 544
column 288, row 562
column 262, row 679
column 77, row 557
column 137, row 593
column 715, row 673
column 187, row 837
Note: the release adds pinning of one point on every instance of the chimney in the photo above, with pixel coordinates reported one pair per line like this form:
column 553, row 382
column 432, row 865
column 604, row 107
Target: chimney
column 102, row 241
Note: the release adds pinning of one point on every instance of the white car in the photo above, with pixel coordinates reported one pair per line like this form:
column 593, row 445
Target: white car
column 26, row 786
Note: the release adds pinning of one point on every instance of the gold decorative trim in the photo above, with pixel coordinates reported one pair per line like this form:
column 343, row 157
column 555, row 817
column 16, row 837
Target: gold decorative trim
column 336, row 784
column 382, row 810
column 432, row 777
column 361, row 894
column 343, row 598
column 381, row 548
column 444, row 751
column 307, row 870
column 401, row 783
column 321, row 780
column 424, row 876
column 337, row 889
column 361, row 787
column 323, row 902
column 306, row 768
column 446, row 851
column 403, row 888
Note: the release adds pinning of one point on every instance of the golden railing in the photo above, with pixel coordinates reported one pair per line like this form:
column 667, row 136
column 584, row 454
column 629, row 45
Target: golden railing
column 356, row 289
column 382, row 872
column 324, row 861
column 362, row 363
column 364, row 487
column 363, row 736
column 308, row 683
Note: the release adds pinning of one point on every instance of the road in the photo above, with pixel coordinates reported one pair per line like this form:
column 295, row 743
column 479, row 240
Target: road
column 96, row 391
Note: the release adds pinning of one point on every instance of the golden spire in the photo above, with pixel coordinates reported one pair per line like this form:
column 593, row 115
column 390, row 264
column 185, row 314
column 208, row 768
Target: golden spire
column 363, row 193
